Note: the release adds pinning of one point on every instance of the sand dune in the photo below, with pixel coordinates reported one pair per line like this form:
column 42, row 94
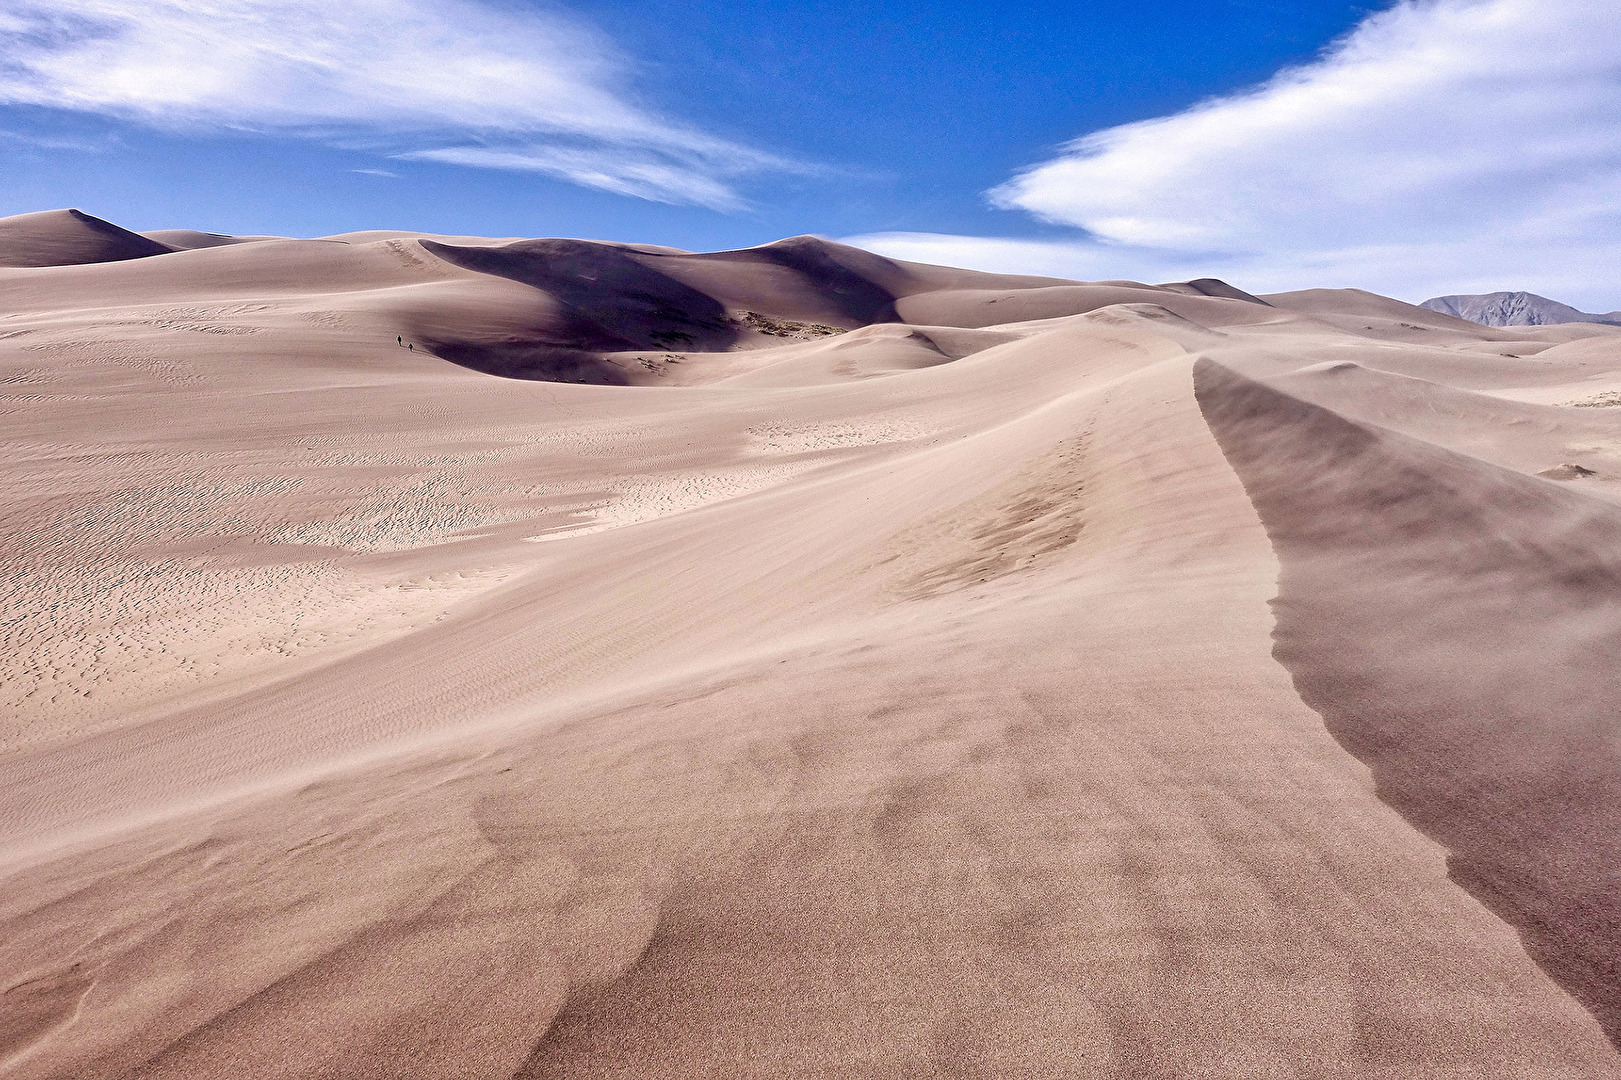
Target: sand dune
column 70, row 238
column 191, row 239
column 1452, row 620
column 809, row 664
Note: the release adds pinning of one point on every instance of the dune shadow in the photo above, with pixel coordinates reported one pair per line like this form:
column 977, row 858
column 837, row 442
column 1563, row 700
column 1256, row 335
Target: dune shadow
column 1458, row 627
column 613, row 300
column 858, row 297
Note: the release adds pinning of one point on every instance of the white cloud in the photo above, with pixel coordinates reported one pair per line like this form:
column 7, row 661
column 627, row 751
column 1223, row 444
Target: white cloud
column 1080, row 259
column 54, row 142
column 1443, row 146
column 667, row 175
column 449, row 80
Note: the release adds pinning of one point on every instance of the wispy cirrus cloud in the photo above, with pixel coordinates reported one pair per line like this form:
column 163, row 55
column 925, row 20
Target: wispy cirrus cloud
column 1442, row 146
column 698, row 174
column 446, row 80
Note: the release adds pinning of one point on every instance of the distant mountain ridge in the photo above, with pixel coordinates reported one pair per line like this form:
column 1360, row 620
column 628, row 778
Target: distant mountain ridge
column 1514, row 309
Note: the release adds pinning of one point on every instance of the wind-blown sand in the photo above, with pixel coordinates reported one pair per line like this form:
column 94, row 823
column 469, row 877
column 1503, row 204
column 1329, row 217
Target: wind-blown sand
column 809, row 665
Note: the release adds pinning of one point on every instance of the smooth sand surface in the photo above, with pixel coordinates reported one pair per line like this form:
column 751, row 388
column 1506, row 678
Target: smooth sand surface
column 70, row 237
column 807, row 665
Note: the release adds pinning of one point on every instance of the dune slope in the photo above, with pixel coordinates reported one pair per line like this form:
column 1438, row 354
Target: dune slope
column 906, row 671
column 70, row 238
column 1456, row 623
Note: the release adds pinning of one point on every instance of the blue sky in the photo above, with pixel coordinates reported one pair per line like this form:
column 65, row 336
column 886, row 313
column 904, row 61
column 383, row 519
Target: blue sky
column 1278, row 144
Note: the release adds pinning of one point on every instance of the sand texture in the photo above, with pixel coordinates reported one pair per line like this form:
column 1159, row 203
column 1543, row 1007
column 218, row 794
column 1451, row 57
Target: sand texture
column 791, row 662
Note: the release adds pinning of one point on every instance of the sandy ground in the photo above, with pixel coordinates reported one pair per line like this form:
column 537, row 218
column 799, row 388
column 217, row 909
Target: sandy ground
column 810, row 665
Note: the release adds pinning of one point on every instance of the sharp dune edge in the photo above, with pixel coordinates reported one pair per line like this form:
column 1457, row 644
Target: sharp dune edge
column 792, row 662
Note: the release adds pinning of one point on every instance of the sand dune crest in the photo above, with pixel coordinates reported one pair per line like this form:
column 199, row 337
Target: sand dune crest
column 70, row 238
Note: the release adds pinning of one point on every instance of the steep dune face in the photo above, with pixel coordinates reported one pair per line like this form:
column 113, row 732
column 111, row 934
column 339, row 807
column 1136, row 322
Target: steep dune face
column 910, row 672
column 611, row 301
column 70, row 238
column 1457, row 625
column 1213, row 287
column 831, row 282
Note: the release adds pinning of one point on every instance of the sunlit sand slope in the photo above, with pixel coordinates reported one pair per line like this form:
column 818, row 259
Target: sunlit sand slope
column 69, row 237
column 908, row 672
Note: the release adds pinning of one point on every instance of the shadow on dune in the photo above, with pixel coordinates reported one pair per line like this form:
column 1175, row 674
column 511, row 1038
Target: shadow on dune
column 861, row 296
column 1216, row 287
column 609, row 303
column 1458, row 626
column 613, row 299
column 70, row 238
column 600, row 299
